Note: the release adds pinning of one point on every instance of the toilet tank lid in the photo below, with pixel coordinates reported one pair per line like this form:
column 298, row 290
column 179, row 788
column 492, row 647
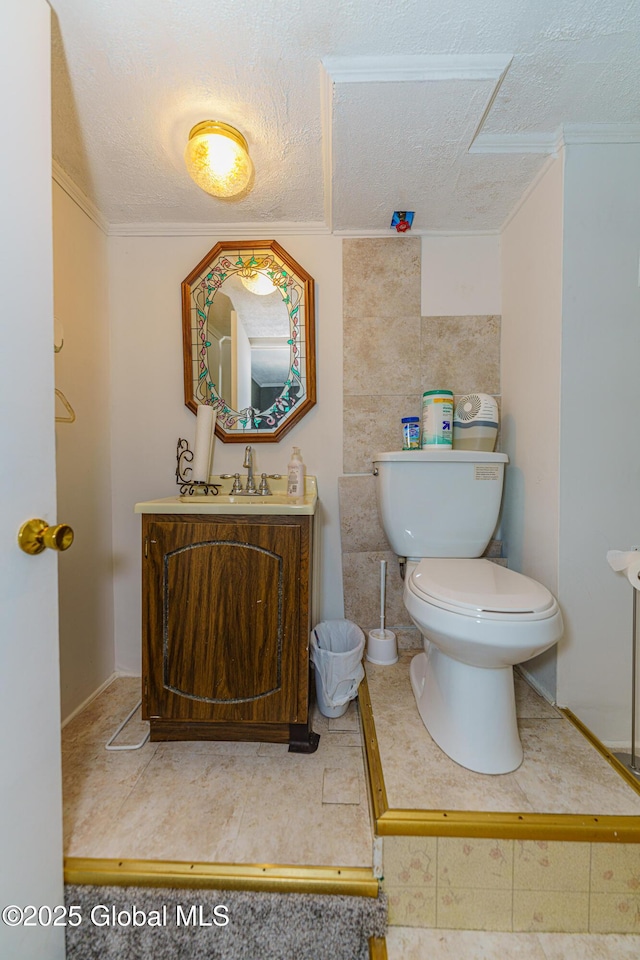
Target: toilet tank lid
column 450, row 456
column 480, row 585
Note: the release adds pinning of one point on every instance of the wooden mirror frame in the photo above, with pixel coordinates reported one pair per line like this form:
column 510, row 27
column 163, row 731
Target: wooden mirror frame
column 296, row 287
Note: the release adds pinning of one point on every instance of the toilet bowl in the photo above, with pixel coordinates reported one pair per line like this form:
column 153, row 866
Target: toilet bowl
column 477, row 619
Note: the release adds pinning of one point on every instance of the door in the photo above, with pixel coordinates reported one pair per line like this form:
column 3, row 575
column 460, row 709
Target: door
column 31, row 820
column 221, row 620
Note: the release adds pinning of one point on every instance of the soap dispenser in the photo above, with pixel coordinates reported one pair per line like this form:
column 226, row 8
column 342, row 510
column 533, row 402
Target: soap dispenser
column 295, row 474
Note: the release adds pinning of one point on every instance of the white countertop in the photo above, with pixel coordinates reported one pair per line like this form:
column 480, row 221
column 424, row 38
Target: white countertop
column 225, row 504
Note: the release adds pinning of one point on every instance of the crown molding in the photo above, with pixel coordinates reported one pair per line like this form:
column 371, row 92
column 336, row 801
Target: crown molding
column 545, row 143
column 552, row 143
column 599, row 133
column 434, row 234
column 224, row 231
column 73, row 191
column 384, row 69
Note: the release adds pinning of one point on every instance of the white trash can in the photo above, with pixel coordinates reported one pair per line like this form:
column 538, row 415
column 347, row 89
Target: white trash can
column 336, row 653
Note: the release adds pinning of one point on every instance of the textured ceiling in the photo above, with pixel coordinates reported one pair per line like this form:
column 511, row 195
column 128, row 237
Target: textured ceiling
column 351, row 110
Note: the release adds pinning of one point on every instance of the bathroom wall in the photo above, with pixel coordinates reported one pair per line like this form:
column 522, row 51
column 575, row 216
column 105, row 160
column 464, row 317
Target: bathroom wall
column 83, row 455
column 571, row 354
column 149, row 415
column 392, row 353
column 600, row 453
column 531, row 333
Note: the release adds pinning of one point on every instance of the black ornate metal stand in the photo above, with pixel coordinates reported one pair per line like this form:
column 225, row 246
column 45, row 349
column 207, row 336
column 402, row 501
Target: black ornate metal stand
column 191, row 487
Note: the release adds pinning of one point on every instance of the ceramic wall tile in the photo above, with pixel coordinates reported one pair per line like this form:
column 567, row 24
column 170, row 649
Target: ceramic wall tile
column 382, row 354
column 409, row 638
column 371, row 425
column 535, row 910
column 410, row 861
column 474, row 862
column 471, row 908
column 361, row 578
column 381, row 277
column 360, row 527
column 545, row 865
column 411, row 906
column 615, row 868
column 614, row 913
column 461, row 354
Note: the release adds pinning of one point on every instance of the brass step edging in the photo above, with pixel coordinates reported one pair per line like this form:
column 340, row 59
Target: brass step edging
column 378, row 948
column 268, row 878
column 502, row 826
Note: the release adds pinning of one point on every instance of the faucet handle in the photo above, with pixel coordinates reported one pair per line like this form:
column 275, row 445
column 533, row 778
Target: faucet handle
column 237, row 485
column 263, row 489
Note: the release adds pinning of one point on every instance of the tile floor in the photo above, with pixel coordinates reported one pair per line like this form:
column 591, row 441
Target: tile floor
column 561, row 772
column 215, row 801
column 411, row 943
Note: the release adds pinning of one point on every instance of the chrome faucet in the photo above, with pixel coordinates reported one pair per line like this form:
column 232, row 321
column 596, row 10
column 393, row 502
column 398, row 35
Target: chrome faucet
column 248, row 463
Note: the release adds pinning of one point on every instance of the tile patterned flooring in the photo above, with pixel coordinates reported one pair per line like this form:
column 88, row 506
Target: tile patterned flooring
column 253, row 803
column 212, row 801
column 561, row 771
column 411, row 943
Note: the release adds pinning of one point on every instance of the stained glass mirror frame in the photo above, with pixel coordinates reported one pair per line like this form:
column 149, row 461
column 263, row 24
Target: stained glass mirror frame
column 296, row 287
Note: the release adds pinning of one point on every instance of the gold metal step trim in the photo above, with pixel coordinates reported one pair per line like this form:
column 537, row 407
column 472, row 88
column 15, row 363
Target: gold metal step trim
column 633, row 782
column 378, row 948
column 585, row 828
column 262, row 877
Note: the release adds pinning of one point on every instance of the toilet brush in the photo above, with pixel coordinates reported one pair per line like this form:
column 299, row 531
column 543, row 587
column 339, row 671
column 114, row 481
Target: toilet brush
column 381, row 644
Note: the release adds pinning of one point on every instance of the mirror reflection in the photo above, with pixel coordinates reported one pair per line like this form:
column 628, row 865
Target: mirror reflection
column 249, row 339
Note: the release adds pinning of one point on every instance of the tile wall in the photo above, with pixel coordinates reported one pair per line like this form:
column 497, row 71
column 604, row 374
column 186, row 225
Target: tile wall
column 392, row 355
column 512, row 885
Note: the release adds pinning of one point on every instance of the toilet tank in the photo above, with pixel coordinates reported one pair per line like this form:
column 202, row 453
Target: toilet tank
column 439, row 504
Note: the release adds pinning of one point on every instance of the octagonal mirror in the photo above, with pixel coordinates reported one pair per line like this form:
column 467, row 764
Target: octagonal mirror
column 249, row 339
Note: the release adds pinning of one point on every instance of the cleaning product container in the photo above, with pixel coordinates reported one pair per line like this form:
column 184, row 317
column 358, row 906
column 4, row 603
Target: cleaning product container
column 437, row 419
column 336, row 648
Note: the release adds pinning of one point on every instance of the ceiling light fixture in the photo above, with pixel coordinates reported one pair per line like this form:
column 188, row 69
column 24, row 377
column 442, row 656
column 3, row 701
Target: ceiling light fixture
column 217, row 158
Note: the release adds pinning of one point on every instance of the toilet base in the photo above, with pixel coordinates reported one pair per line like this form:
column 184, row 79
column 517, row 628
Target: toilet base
column 469, row 711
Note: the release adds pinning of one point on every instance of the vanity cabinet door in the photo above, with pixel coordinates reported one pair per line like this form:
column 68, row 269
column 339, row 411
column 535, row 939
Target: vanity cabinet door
column 222, row 621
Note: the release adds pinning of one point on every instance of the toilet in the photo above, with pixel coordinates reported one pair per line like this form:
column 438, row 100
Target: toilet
column 477, row 619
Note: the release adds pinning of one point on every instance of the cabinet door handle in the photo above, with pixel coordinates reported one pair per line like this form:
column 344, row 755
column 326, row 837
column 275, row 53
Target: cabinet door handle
column 147, row 541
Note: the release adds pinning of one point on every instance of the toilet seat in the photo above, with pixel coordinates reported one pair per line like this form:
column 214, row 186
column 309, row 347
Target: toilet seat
column 480, row 589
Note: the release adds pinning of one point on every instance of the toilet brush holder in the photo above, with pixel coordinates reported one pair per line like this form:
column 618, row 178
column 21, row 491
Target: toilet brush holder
column 382, row 647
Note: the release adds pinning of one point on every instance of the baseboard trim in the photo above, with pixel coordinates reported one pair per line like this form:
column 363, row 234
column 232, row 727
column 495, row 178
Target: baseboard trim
column 92, row 696
column 583, row 828
column 267, row 878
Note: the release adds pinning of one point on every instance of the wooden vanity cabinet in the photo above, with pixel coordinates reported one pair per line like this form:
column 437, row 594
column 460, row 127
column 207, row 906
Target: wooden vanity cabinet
column 226, row 621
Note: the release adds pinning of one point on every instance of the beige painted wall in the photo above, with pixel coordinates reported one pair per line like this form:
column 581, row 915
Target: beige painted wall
column 531, row 335
column 83, row 454
column 149, row 414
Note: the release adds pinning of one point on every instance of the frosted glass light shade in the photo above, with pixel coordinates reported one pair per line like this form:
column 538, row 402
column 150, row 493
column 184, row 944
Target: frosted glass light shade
column 217, row 159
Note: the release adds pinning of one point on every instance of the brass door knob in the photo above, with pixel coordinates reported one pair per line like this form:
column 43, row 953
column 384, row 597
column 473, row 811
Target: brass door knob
column 35, row 535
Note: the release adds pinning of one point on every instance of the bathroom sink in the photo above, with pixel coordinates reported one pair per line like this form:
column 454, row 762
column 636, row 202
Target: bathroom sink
column 227, row 503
